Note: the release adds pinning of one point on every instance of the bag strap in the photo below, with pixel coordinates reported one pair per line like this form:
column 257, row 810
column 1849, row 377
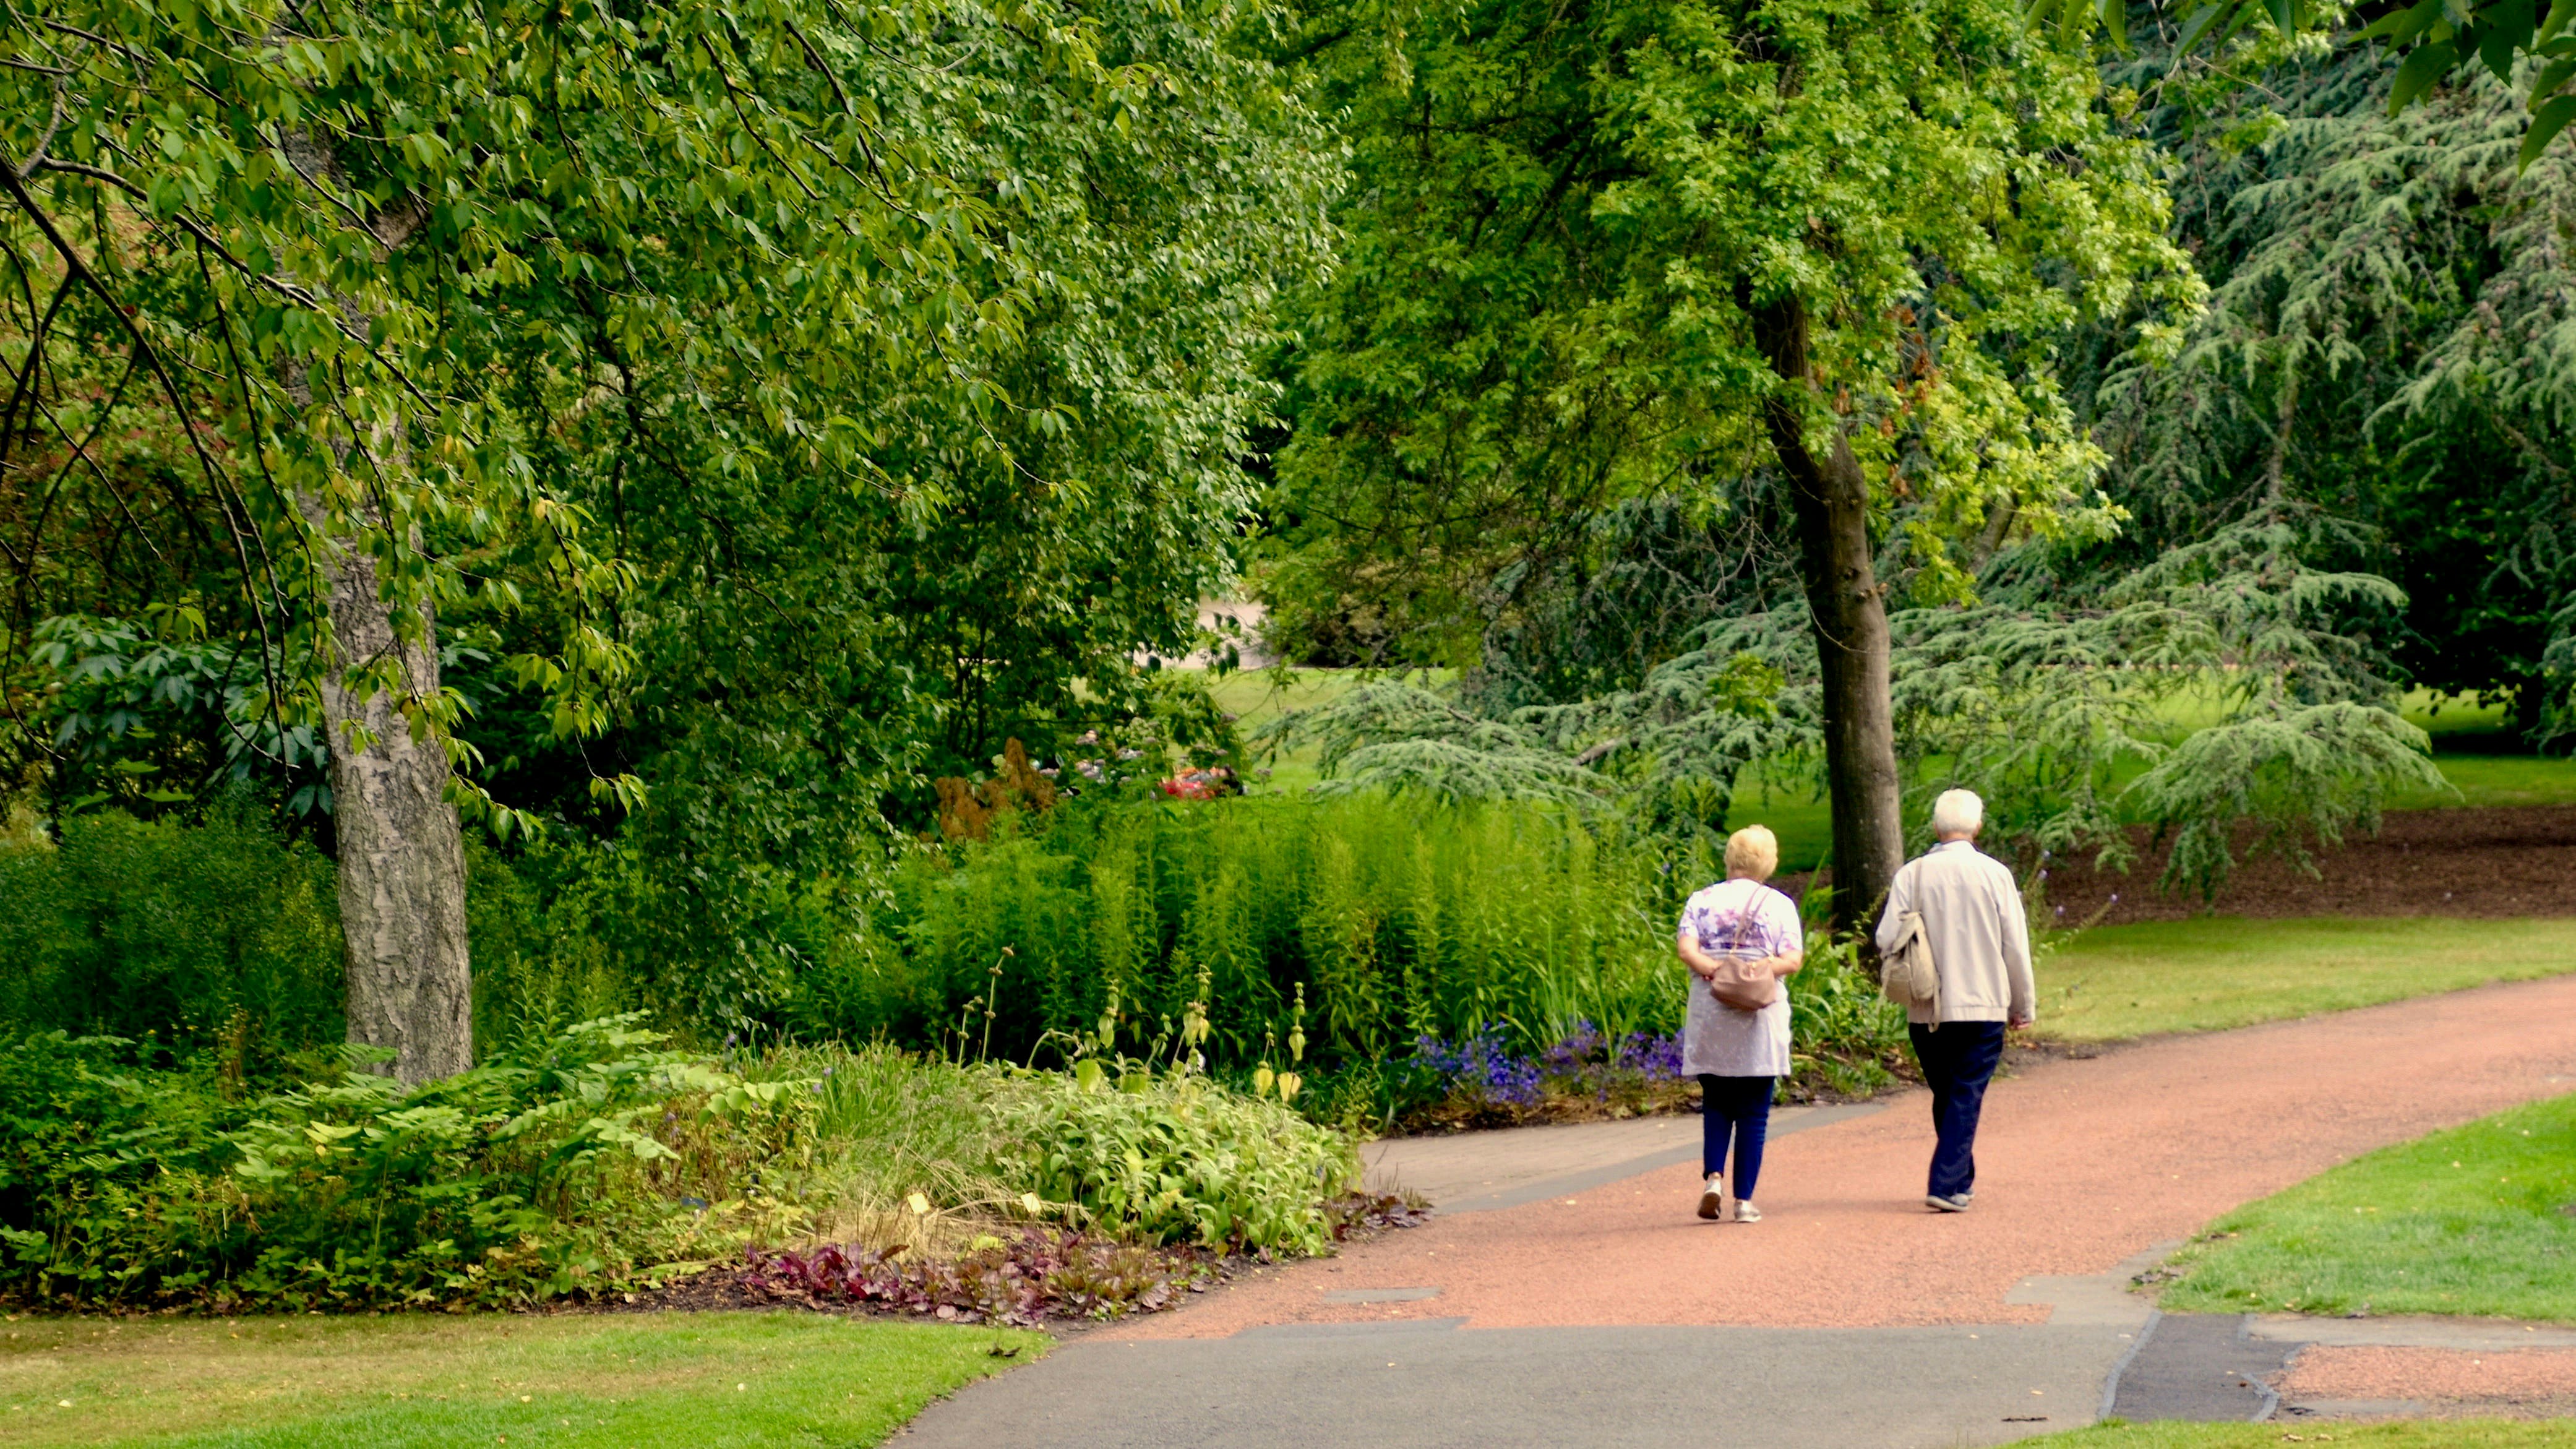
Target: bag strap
column 1743, row 919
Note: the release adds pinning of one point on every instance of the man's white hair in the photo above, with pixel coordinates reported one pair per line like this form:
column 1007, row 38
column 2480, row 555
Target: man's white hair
column 1958, row 812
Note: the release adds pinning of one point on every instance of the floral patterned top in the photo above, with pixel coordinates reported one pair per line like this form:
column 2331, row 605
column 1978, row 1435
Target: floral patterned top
column 1738, row 918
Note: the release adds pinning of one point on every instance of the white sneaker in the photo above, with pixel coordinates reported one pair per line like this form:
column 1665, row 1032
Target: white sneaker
column 1712, row 1199
column 1941, row 1204
column 1746, row 1212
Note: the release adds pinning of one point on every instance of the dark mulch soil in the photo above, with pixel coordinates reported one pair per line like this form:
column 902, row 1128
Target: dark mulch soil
column 2478, row 862
column 2486, row 862
column 1056, row 1280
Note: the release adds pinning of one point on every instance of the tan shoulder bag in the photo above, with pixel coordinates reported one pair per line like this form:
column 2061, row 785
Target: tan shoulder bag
column 1907, row 975
column 1746, row 985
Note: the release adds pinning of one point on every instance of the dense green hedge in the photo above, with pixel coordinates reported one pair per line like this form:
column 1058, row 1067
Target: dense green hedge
column 189, row 935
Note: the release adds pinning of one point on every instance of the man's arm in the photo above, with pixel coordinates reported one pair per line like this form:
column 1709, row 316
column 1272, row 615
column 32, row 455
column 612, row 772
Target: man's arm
column 1900, row 899
column 2016, row 932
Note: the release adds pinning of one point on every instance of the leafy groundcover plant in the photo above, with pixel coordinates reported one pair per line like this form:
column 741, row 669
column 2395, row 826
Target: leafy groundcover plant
column 593, row 1162
column 558, row 1168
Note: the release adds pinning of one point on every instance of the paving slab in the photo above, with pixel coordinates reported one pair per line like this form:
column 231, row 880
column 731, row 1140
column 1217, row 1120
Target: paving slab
column 2199, row 1366
column 2414, row 1331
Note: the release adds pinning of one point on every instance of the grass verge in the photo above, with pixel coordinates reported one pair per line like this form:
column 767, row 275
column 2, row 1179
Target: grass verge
column 711, row 1381
column 2411, row 1434
column 2215, row 972
column 2471, row 1221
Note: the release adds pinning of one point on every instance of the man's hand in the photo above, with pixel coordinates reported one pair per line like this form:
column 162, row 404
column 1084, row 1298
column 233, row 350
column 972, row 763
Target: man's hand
column 2016, row 1023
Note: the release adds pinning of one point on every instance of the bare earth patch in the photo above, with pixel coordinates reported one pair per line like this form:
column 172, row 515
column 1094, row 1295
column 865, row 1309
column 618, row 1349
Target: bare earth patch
column 2485, row 863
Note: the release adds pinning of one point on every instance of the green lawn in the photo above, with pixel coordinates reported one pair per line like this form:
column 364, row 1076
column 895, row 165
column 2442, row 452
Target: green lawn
column 2412, row 1434
column 2470, row 1221
column 1255, row 696
column 2496, row 780
column 2214, row 972
column 705, row 1380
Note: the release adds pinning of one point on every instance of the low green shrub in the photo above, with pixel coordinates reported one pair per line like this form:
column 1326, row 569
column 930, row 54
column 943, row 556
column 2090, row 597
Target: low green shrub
column 559, row 1168
column 1171, row 1157
column 1843, row 1033
column 596, row 1159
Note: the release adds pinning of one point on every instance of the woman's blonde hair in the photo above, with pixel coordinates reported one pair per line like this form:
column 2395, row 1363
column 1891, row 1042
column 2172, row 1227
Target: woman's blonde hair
column 1753, row 851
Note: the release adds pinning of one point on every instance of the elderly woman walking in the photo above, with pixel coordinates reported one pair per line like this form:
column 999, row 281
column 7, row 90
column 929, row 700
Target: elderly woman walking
column 1738, row 937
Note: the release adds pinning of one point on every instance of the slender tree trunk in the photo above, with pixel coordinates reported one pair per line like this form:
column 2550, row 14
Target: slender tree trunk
column 402, row 856
column 402, row 853
column 1831, row 500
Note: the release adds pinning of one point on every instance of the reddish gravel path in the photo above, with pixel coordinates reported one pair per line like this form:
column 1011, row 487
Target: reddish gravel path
column 2081, row 1164
column 2544, row 1375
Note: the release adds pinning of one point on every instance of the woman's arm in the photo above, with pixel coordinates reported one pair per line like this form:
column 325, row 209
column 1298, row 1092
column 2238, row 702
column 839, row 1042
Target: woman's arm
column 1701, row 964
column 1787, row 963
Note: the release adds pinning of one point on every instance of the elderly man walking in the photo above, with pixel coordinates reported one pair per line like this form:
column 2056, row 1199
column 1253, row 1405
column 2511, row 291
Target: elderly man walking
column 1980, row 940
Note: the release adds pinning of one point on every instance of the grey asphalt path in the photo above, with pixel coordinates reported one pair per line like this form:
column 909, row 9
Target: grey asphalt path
column 1430, row 1384
column 1427, row 1384
column 2201, row 1366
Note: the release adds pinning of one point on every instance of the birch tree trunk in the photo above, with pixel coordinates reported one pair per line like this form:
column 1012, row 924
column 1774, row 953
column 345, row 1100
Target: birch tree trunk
column 402, row 856
column 1830, row 498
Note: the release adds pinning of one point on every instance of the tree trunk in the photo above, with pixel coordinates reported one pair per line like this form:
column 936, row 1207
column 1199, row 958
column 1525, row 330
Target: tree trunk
column 402, row 853
column 1831, row 500
column 402, row 858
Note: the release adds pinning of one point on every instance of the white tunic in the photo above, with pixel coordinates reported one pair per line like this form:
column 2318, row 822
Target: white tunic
column 1743, row 920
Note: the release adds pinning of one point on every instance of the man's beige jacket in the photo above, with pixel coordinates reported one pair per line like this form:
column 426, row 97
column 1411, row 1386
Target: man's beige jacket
column 1980, row 939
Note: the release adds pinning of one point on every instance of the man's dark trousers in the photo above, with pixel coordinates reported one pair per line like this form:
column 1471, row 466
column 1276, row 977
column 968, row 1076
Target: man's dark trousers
column 1958, row 1061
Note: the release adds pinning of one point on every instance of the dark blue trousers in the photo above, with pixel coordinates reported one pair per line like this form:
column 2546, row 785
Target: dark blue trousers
column 1739, row 1107
column 1958, row 1061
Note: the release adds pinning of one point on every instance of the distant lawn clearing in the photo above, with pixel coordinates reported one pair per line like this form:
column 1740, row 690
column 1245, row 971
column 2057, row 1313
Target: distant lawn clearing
column 2470, row 1221
column 706, row 1380
column 2215, row 972
column 2415, row 1434
column 2496, row 780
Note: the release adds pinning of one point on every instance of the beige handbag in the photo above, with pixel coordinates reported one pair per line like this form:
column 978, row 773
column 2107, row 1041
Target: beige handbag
column 1746, row 985
column 1906, row 974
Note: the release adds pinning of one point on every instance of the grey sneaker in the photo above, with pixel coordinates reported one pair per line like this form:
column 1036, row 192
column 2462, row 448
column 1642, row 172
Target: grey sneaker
column 1712, row 1200
column 1940, row 1204
column 1746, row 1212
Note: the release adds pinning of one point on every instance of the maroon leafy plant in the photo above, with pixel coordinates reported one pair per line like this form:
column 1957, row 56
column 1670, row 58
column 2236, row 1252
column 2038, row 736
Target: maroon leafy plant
column 1036, row 1275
